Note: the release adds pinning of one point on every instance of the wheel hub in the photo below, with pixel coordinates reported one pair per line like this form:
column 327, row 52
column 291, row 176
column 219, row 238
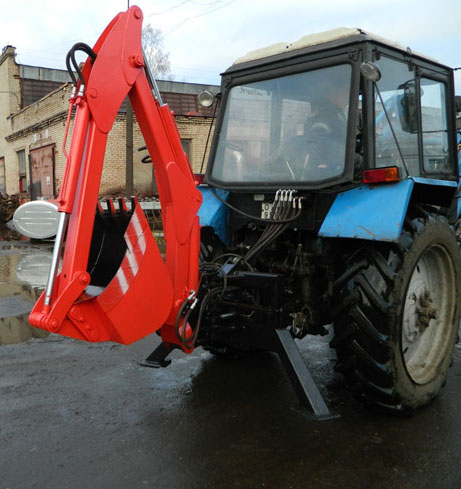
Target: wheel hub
column 421, row 312
column 425, row 311
column 428, row 307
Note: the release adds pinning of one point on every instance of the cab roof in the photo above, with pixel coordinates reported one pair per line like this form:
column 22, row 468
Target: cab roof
column 323, row 40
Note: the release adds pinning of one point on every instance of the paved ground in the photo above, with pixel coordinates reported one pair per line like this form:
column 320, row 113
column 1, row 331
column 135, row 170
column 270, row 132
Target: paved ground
column 78, row 416
column 81, row 416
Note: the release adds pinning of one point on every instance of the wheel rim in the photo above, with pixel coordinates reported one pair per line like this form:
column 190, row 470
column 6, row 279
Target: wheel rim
column 428, row 314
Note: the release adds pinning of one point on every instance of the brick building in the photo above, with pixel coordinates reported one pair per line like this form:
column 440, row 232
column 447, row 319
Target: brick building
column 33, row 111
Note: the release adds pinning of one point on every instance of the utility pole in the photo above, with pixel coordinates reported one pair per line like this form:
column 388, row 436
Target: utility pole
column 129, row 145
column 129, row 149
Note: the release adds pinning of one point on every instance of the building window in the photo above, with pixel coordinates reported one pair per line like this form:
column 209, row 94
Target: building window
column 186, row 145
column 22, row 170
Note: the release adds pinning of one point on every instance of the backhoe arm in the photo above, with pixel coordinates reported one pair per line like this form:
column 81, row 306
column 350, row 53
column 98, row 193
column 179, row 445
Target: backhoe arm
column 144, row 292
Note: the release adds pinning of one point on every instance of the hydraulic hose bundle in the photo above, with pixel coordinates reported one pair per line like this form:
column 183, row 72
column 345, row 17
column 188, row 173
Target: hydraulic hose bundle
column 285, row 209
column 70, row 58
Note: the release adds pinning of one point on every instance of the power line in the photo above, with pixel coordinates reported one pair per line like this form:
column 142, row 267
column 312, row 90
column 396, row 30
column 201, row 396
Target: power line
column 201, row 14
column 205, row 4
column 169, row 9
column 209, row 7
column 180, row 4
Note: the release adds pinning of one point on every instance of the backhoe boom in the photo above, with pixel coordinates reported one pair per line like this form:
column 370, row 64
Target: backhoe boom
column 145, row 293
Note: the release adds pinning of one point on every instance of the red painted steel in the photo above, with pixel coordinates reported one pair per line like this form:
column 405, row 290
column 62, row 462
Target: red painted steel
column 146, row 293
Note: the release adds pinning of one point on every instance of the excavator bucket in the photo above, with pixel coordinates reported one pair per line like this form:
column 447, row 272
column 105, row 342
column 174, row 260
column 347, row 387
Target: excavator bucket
column 134, row 301
column 108, row 280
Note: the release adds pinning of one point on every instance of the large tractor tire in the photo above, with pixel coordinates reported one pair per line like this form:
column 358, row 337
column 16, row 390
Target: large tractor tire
column 399, row 315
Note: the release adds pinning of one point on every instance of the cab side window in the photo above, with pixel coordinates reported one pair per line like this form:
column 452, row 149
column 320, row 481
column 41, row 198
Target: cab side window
column 434, row 126
column 396, row 123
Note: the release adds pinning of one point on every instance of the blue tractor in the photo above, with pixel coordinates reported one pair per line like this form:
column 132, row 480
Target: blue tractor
column 331, row 202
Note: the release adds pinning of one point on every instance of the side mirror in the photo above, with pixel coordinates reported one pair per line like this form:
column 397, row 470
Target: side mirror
column 407, row 107
column 370, row 71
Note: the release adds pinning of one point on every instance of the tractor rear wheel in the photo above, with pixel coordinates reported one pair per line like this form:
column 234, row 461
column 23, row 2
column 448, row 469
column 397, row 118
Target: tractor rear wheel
column 399, row 316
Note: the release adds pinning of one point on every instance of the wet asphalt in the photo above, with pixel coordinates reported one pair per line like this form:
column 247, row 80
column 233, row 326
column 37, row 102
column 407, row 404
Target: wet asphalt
column 75, row 415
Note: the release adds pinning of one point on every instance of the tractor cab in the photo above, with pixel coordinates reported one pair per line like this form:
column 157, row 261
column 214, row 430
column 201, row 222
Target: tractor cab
column 317, row 112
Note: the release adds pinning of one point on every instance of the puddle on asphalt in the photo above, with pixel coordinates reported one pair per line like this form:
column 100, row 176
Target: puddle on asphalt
column 33, row 267
column 23, row 269
column 22, row 265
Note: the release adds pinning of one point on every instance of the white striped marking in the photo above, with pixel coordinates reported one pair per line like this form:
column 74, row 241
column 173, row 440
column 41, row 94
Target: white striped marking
column 138, row 229
column 122, row 280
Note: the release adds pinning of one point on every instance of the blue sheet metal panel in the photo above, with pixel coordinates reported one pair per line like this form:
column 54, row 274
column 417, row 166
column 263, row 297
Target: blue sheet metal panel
column 458, row 140
column 213, row 212
column 458, row 205
column 434, row 181
column 459, row 173
column 448, row 188
column 375, row 213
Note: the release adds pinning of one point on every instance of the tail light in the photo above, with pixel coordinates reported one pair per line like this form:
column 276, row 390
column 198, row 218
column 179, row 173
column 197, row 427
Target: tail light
column 381, row 175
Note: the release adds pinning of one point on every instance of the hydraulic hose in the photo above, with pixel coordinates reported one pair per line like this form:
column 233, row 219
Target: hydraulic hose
column 70, row 58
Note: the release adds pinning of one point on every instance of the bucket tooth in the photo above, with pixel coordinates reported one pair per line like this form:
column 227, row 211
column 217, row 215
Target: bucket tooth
column 123, row 209
column 108, row 245
column 133, row 201
column 111, row 212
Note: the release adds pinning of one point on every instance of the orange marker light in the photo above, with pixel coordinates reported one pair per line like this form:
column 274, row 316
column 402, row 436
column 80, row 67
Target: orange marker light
column 381, row 175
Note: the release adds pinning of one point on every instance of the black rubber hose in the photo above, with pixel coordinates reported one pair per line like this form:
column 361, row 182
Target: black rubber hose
column 70, row 70
column 80, row 46
column 254, row 218
column 275, row 230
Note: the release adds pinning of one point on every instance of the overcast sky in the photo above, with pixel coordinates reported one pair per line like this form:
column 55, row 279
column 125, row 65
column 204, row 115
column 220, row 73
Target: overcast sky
column 203, row 37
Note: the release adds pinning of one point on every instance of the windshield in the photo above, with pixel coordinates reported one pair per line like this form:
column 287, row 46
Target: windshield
column 291, row 128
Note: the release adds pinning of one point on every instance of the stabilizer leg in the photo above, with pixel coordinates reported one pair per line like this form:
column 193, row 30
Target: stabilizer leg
column 298, row 373
column 157, row 359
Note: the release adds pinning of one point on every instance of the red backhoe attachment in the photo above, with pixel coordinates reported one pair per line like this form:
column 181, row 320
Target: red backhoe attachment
column 113, row 283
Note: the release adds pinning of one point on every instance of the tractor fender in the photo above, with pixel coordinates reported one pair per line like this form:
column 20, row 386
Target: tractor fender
column 377, row 212
column 213, row 212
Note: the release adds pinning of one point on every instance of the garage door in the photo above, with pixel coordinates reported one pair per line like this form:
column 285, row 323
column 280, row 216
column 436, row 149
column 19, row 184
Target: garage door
column 42, row 172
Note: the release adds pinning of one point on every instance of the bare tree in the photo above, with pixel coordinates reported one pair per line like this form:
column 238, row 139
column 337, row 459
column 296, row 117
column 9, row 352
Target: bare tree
column 159, row 60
